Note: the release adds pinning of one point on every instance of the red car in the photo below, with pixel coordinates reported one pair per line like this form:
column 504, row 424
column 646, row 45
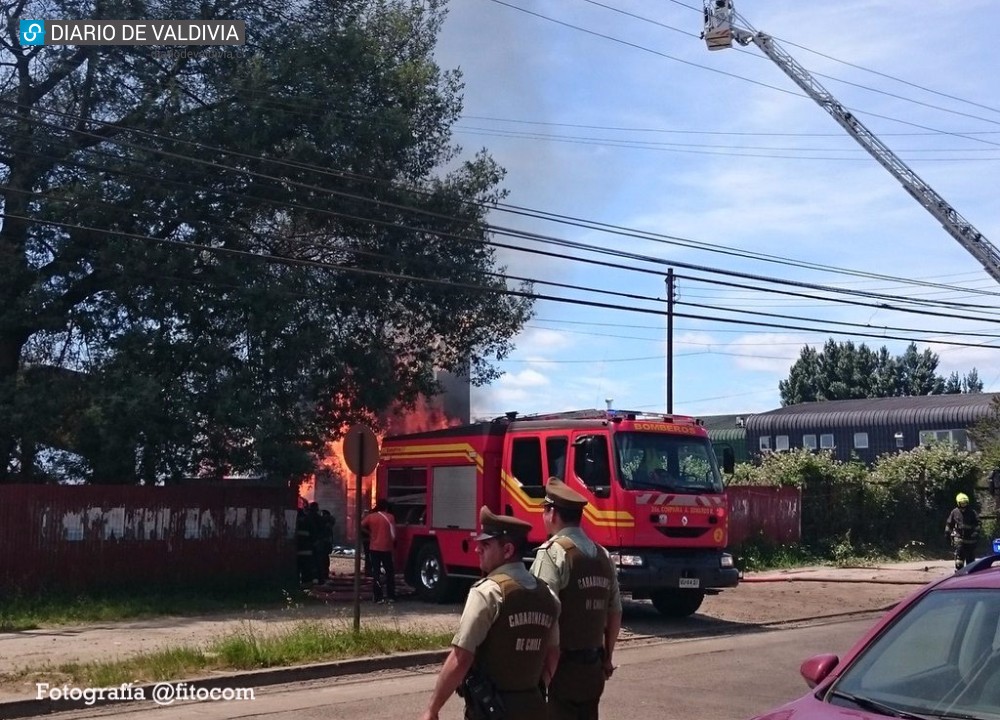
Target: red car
column 935, row 655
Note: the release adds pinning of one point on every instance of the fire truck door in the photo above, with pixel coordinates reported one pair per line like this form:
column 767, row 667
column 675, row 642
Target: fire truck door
column 592, row 471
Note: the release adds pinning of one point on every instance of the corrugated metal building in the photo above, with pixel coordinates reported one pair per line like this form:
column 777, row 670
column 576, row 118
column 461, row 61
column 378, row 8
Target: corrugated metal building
column 728, row 433
column 868, row 427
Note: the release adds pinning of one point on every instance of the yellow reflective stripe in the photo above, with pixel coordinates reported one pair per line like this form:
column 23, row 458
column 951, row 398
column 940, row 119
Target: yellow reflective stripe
column 435, row 451
column 602, row 518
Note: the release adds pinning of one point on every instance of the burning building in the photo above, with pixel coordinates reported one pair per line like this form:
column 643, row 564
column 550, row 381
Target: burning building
column 333, row 484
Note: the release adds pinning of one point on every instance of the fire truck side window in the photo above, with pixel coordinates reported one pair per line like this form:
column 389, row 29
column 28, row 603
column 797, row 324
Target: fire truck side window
column 526, row 465
column 591, row 462
column 407, row 493
column 555, row 454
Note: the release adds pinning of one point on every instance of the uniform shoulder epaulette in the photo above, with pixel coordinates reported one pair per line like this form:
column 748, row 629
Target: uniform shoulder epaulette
column 547, row 544
column 564, row 542
column 479, row 582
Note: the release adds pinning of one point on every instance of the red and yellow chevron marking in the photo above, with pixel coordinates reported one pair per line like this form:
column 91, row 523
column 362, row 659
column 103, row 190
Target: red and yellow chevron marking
column 465, row 451
column 599, row 518
column 437, row 451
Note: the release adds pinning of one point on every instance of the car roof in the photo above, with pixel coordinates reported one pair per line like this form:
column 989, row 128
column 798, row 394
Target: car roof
column 983, row 574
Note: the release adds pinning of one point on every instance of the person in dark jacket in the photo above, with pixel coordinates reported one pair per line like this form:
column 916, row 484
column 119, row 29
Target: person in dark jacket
column 962, row 530
column 323, row 545
column 304, row 548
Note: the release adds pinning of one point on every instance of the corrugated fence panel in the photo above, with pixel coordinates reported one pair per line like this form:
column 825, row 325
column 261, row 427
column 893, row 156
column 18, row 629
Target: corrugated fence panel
column 57, row 537
column 769, row 513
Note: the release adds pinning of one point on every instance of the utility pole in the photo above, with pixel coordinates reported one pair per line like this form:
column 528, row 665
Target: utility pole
column 670, row 341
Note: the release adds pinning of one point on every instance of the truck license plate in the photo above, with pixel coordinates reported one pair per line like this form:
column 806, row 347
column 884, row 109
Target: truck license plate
column 690, row 582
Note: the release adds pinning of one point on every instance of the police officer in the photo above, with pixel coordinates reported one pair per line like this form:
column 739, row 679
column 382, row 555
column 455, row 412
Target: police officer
column 584, row 576
column 509, row 631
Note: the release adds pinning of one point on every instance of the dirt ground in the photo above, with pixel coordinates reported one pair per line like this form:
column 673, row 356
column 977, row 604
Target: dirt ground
column 761, row 599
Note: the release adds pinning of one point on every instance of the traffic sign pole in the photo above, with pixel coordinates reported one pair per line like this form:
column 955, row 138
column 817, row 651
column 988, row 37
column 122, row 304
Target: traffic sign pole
column 361, row 456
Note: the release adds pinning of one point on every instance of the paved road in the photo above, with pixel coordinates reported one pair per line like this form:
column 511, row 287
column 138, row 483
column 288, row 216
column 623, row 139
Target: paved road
column 722, row 677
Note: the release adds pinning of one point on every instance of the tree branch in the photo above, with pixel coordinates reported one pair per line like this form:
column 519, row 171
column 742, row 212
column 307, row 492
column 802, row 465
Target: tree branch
column 61, row 72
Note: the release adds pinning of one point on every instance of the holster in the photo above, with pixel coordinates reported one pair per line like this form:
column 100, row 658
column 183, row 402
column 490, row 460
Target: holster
column 482, row 696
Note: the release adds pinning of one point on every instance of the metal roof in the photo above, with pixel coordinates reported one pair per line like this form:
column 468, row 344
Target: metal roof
column 723, row 422
column 938, row 410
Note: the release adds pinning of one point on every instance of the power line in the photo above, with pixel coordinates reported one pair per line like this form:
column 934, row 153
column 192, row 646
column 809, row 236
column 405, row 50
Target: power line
column 722, row 72
column 301, row 262
column 535, row 237
column 513, row 209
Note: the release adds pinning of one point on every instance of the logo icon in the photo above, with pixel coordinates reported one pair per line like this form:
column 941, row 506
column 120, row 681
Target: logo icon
column 32, row 32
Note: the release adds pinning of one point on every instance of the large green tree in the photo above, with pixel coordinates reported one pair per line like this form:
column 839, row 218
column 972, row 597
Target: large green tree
column 211, row 260
column 844, row 371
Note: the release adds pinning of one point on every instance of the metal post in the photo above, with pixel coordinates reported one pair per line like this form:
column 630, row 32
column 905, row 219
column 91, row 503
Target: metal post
column 357, row 536
column 670, row 341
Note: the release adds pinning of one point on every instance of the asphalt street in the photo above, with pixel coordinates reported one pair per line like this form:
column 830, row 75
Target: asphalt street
column 718, row 678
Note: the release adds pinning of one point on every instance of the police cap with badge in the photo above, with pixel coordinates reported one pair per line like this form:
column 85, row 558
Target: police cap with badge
column 501, row 526
column 562, row 495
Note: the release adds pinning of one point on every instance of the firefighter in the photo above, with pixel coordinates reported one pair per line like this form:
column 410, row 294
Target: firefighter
column 962, row 529
column 584, row 576
column 304, row 547
column 507, row 642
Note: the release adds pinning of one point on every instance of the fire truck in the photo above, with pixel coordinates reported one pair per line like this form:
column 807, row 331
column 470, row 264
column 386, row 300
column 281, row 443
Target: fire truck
column 655, row 498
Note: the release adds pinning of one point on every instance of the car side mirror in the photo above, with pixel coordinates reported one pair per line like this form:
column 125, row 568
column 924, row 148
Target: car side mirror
column 816, row 669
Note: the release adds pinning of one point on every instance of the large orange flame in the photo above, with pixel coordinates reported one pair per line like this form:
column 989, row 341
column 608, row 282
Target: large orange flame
column 333, row 487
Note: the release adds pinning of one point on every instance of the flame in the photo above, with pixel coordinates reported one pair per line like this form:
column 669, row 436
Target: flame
column 427, row 414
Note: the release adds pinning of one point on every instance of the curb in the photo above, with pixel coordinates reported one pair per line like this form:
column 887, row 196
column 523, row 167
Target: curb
column 247, row 679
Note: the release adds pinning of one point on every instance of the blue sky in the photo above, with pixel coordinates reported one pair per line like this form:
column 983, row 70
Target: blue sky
column 722, row 149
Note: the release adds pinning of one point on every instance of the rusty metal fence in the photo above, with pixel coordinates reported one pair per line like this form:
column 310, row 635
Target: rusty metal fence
column 770, row 514
column 74, row 538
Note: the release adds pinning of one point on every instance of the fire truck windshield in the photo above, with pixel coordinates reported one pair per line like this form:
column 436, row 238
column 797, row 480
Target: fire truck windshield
column 670, row 463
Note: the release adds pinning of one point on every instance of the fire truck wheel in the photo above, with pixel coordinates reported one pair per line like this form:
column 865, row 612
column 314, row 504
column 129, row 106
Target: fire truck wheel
column 677, row 603
column 433, row 584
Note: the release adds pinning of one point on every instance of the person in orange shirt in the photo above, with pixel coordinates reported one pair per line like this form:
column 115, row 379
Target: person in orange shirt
column 381, row 527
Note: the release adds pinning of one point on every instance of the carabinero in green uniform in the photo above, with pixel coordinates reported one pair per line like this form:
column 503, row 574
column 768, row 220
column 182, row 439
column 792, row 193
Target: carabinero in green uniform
column 585, row 578
column 508, row 637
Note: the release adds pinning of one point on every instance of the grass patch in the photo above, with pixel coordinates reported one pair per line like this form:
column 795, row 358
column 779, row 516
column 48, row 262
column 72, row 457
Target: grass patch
column 845, row 553
column 313, row 641
column 760, row 554
column 248, row 648
column 756, row 555
column 27, row 612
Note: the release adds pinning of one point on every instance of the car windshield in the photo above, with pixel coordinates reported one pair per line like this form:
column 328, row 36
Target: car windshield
column 669, row 463
column 941, row 658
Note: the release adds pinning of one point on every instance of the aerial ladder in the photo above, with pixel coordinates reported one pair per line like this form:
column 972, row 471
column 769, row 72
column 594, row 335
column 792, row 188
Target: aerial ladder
column 723, row 25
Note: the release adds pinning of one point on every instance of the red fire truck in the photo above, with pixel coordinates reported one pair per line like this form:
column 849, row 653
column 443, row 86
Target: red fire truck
column 655, row 498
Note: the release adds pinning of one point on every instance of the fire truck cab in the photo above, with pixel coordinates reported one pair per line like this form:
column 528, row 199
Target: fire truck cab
column 655, row 497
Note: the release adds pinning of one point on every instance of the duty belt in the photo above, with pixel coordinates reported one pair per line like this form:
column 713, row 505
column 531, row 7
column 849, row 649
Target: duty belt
column 584, row 655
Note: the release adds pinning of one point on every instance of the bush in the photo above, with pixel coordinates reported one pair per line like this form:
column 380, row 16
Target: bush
column 849, row 510
column 921, row 485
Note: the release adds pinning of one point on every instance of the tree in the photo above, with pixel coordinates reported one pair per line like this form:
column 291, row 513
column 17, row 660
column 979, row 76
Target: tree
column 800, row 386
column 224, row 257
column 915, row 373
column 971, row 382
column 843, row 371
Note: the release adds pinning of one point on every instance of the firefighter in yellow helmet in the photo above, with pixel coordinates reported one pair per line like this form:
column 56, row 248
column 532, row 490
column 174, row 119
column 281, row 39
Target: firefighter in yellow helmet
column 962, row 530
